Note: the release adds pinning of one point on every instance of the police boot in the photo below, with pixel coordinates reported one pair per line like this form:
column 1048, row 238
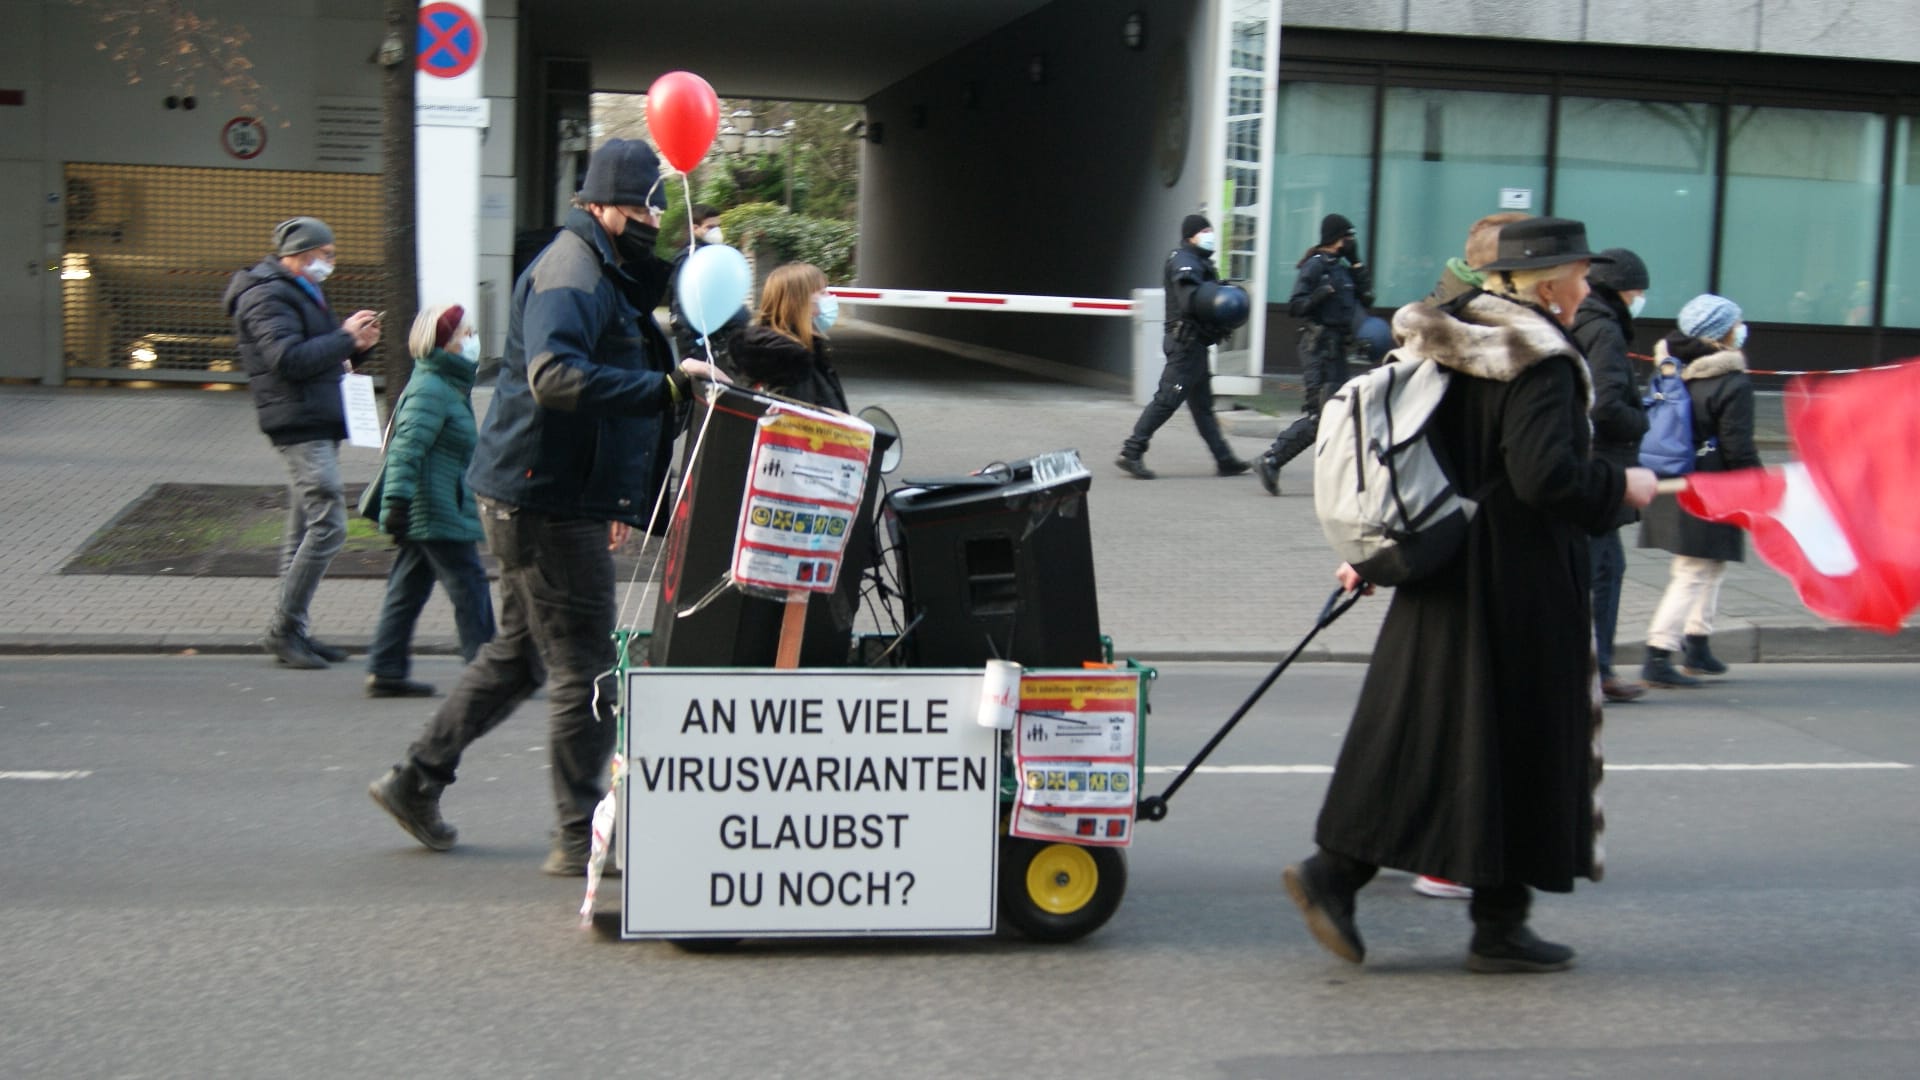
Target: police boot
column 1659, row 671
column 1267, row 468
column 1698, row 660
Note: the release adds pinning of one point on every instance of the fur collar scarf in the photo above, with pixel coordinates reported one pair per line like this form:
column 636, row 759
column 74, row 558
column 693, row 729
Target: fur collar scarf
column 1487, row 337
column 1724, row 362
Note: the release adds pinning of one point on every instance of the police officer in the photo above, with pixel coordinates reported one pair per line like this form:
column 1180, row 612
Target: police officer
column 1332, row 294
column 1187, row 376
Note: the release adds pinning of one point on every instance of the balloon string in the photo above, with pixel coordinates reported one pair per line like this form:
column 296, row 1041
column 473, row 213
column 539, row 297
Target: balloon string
column 699, row 315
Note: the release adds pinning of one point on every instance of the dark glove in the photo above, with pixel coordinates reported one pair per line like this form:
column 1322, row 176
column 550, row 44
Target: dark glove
column 397, row 522
column 681, row 391
column 1350, row 250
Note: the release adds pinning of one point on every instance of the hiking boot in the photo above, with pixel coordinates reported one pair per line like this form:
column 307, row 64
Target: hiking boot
column 1232, row 467
column 1699, row 660
column 1134, row 467
column 1269, row 472
column 1614, row 688
column 295, row 652
column 379, row 686
column 1441, row 889
column 403, row 794
column 1515, row 949
column 1659, row 671
column 332, row 654
column 1329, row 917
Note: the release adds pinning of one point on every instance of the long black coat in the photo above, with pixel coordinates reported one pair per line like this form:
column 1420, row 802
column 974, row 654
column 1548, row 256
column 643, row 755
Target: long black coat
column 1722, row 395
column 1472, row 754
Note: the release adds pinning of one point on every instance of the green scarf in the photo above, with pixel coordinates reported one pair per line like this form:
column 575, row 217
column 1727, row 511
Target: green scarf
column 1459, row 268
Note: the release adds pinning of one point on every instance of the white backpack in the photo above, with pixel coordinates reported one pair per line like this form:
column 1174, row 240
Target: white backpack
column 1383, row 497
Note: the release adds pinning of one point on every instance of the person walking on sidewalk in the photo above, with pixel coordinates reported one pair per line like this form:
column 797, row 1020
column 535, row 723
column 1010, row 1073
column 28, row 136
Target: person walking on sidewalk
column 1708, row 344
column 425, row 504
column 295, row 351
column 1187, row 376
column 1332, row 293
column 574, row 453
column 1602, row 328
column 1470, row 754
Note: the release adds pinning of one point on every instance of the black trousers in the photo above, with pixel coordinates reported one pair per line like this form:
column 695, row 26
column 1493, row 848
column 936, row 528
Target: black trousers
column 1323, row 371
column 1185, row 378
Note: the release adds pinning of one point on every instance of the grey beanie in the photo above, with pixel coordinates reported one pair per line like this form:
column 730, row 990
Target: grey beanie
column 623, row 172
column 295, row 235
column 1708, row 317
column 1624, row 274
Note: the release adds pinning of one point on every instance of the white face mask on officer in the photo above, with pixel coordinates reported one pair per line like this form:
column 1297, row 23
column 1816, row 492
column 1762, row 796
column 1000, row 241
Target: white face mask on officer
column 1206, row 241
column 1639, row 305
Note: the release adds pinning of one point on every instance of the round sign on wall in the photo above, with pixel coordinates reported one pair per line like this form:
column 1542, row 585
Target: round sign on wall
column 451, row 40
column 245, row 137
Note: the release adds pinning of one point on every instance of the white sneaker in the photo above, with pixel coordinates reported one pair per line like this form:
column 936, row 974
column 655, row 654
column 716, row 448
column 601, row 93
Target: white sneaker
column 1441, row 888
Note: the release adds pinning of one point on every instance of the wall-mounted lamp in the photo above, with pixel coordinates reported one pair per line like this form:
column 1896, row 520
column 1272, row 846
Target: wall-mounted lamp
column 1133, row 30
column 1037, row 68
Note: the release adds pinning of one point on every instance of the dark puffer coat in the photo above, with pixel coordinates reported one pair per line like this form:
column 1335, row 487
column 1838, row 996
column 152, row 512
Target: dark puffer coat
column 293, row 349
column 1722, row 395
column 770, row 359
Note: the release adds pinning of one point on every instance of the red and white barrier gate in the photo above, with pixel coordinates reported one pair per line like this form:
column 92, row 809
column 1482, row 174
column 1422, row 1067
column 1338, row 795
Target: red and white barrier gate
column 1036, row 305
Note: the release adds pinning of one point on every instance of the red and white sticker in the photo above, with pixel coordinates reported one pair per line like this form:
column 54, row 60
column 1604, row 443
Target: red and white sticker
column 809, row 470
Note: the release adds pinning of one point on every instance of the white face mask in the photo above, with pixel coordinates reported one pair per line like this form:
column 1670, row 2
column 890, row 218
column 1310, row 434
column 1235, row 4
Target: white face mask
column 825, row 310
column 319, row 270
column 1740, row 336
column 1639, row 305
column 1206, row 241
column 470, row 348
column 713, row 236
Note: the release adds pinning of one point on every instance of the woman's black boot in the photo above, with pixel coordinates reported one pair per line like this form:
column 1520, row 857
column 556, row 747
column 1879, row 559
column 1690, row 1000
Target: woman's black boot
column 1659, row 671
column 1502, row 943
column 1699, row 660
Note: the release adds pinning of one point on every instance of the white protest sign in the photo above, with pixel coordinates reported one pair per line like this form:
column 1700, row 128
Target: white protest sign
column 363, row 413
column 807, row 803
column 804, row 484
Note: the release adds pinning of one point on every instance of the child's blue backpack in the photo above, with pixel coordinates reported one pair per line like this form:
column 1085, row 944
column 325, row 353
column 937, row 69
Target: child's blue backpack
column 1667, row 447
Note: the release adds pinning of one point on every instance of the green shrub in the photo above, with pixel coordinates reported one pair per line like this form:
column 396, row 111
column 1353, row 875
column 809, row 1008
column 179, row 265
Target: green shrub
column 829, row 245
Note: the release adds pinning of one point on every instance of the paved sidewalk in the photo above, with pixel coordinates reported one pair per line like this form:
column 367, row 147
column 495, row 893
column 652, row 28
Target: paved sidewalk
column 1190, row 566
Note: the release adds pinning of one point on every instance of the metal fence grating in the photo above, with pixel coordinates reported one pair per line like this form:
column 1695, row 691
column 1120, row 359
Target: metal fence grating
column 149, row 251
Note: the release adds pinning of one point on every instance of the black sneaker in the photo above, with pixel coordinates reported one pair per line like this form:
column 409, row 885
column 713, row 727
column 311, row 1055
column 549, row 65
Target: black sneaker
column 379, row 686
column 1134, row 467
column 332, row 654
column 399, row 794
column 295, row 652
column 1232, row 467
column 1269, row 472
column 1515, row 950
column 1328, row 920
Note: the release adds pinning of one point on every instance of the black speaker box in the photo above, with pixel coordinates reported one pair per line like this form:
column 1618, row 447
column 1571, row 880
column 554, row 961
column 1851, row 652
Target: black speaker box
column 999, row 566
column 734, row 628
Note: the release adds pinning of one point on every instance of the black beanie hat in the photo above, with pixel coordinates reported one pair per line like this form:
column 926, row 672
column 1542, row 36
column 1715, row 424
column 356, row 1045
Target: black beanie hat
column 1624, row 274
column 1333, row 227
column 1192, row 225
column 623, row 173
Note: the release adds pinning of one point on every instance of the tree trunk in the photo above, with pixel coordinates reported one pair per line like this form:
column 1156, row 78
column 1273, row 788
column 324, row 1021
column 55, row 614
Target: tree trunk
column 397, row 183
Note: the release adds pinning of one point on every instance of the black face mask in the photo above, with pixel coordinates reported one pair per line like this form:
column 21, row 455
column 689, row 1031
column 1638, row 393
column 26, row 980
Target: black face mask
column 635, row 242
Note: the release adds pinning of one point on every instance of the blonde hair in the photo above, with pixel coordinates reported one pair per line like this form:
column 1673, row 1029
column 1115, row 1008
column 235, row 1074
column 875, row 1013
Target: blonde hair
column 786, row 300
column 425, row 324
column 1483, row 238
column 1525, row 284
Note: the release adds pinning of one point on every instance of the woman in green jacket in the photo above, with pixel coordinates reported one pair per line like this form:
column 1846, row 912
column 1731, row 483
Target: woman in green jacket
column 426, row 505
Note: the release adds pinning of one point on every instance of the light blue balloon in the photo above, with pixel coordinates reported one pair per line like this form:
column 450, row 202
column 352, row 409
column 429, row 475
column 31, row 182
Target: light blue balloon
column 713, row 284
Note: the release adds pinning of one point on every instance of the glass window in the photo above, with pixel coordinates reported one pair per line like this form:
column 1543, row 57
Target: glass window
column 1323, row 164
column 1446, row 158
column 1903, row 231
column 1640, row 174
column 1802, row 214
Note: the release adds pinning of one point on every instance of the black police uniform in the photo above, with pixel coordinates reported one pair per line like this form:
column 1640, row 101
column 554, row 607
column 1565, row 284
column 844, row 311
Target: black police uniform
column 1186, row 377
column 1332, row 296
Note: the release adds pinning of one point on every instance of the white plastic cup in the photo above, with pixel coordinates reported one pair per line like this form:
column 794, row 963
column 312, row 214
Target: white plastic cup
column 1000, row 695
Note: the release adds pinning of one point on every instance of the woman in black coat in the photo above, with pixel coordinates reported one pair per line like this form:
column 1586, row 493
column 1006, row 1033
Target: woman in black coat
column 786, row 349
column 1707, row 344
column 1472, row 753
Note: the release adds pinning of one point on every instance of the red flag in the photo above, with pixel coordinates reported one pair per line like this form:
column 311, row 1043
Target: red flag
column 1843, row 522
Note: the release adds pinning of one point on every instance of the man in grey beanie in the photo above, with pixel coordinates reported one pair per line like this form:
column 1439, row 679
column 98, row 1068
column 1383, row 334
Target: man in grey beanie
column 573, row 454
column 295, row 350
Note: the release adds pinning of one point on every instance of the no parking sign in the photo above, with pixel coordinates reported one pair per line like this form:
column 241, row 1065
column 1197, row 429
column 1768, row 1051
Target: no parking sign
column 450, row 41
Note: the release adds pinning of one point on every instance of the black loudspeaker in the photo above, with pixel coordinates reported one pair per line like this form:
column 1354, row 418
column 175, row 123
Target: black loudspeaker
column 733, row 628
column 999, row 566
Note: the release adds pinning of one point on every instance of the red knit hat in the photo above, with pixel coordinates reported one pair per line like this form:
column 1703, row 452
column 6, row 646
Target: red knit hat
column 449, row 321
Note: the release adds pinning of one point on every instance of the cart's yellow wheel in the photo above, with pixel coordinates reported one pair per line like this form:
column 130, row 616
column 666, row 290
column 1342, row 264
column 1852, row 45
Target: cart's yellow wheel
column 1059, row 892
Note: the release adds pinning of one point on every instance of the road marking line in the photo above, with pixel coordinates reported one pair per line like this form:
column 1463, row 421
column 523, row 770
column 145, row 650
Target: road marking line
column 44, row 774
column 1787, row 766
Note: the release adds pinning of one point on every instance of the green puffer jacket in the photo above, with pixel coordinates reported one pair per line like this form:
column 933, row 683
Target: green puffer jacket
column 433, row 438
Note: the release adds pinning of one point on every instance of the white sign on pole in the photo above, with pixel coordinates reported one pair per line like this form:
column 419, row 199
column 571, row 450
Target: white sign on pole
column 763, row 803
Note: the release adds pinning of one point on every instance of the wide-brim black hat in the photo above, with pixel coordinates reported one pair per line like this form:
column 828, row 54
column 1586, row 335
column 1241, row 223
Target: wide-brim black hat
column 1537, row 243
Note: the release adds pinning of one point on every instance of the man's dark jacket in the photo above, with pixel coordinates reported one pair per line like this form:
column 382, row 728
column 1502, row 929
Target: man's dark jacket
column 1188, row 268
column 580, row 424
column 1601, row 328
column 292, row 348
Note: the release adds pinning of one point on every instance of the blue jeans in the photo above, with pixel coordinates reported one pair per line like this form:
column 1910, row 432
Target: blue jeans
column 1609, row 569
column 556, row 627
column 316, row 529
column 455, row 564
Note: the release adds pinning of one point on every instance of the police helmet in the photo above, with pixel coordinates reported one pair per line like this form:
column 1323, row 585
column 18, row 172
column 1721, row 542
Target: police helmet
column 1221, row 305
column 1375, row 336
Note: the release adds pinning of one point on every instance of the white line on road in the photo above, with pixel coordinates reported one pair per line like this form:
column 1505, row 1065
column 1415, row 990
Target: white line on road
column 1784, row 766
column 44, row 774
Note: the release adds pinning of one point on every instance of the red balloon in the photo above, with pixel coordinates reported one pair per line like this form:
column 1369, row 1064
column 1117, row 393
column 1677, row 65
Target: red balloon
column 683, row 113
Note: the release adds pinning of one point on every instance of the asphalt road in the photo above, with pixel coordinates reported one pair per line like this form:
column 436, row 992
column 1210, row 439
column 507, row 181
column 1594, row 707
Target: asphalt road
column 193, row 884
